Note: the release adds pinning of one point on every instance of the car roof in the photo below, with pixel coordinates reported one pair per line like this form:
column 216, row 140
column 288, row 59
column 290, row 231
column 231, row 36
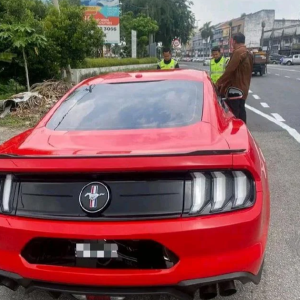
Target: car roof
column 156, row 75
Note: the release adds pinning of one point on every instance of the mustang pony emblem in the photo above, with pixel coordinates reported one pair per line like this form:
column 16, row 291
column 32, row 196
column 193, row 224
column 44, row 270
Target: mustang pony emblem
column 93, row 196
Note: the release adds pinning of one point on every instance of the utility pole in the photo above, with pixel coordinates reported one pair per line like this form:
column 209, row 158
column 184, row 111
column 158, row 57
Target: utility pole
column 150, row 35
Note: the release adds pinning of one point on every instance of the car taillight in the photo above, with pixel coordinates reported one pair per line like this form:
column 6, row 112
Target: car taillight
column 6, row 183
column 221, row 191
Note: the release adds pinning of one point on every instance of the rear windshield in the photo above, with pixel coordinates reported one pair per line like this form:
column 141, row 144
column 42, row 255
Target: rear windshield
column 143, row 105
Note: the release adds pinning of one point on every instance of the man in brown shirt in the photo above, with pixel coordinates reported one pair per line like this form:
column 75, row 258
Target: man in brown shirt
column 238, row 74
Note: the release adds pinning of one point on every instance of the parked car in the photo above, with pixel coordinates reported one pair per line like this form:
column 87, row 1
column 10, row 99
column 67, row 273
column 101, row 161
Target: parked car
column 128, row 185
column 291, row 60
column 206, row 61
column 275, row 59
column 196, row 59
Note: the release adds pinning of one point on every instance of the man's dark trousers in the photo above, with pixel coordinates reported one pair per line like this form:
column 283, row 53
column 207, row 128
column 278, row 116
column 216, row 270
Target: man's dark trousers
column 238, row 109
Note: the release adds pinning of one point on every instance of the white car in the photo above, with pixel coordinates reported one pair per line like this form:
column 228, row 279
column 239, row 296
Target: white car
column 108, row 3
column 206, row 61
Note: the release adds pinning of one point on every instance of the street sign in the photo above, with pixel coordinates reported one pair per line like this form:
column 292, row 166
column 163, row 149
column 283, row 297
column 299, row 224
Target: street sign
column 107, row 15
column 133, row 43
column 176, row 43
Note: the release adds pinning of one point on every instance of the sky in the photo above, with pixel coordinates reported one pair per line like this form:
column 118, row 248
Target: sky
column 222, row 10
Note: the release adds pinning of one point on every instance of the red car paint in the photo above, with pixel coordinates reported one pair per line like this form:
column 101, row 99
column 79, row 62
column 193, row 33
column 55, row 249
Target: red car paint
column 207, row 246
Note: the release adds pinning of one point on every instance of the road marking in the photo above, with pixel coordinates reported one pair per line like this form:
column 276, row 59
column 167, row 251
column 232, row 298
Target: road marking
column 287, row 69
column 287, row 76
column 263, row 104
column 278, row 117
column 277, row 74
column 293, row 132
column 250, row 92
column 256, row 97
column 298, row 78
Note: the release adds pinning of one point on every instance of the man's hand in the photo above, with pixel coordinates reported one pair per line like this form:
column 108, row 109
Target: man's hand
column 220, row 89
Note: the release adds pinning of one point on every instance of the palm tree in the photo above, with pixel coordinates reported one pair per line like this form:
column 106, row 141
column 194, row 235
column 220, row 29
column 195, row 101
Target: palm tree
column 207, row 32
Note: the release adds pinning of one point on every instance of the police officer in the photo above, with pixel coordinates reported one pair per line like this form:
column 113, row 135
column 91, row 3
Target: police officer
column 168, row 62
column 218, row 64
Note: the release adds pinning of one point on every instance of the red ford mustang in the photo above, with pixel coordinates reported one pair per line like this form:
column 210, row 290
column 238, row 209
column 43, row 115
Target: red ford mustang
column 134, row 183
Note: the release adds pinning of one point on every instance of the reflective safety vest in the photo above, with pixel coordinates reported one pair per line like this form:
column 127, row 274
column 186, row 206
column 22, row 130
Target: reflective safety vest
column 217, row 69
column 169, row 66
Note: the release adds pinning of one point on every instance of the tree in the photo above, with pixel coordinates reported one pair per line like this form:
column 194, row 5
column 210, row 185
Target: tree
column 22, row 37
column 207, row 33
column 72, row 37
column 174, row 17
column 143, row 25
column 22, row 11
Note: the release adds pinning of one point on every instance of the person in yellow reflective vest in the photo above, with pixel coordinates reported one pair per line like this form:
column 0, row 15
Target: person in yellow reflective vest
column 168, row 62
column 218, row 64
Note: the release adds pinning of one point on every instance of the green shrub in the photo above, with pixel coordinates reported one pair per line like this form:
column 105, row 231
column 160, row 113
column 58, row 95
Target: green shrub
column 94, row 74
column 10, row 88
column 112, row 62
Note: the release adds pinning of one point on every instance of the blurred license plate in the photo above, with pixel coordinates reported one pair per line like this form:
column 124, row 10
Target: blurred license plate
column 96, row 250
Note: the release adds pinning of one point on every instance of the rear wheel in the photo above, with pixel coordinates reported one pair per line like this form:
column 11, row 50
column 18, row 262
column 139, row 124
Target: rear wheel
column 289, row 63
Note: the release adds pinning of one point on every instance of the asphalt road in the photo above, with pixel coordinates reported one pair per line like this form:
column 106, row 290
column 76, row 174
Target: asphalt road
column 277, row 136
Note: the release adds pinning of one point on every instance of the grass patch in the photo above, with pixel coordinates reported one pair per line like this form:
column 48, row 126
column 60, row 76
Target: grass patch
column 12, row 121
column 113, row 62
column 5, row 96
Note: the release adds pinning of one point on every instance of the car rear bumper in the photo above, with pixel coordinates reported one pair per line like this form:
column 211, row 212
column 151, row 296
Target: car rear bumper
column 208, row 247
column 184, row 290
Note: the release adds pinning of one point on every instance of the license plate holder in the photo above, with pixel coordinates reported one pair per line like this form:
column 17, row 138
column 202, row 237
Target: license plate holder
column 99, row 249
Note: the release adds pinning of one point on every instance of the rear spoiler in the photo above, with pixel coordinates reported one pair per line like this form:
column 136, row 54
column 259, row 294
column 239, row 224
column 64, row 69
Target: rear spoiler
column 193, row 153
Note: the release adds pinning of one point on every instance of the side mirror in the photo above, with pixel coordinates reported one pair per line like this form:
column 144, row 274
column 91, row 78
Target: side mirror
column 234, row 94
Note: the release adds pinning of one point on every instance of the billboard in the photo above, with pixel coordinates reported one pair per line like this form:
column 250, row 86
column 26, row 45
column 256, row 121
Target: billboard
column 225, row 32
column 107, row 15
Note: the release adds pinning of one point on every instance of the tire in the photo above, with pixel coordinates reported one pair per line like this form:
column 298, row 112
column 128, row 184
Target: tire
column 289, row 63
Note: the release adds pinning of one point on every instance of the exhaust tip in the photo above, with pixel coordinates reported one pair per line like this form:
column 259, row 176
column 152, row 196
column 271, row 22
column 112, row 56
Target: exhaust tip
column 10, row 284
column 208, row 292
column 90, row 297
column 227, row 288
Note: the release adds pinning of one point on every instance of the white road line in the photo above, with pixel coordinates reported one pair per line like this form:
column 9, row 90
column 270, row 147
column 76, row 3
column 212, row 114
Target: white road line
column 285, row 69
column 250, row 92
column 263, row 104
column 278, row 117
column 277, row 74
column 293, row 132
column 298, row 78
column 256, row 97
column 287, row 76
